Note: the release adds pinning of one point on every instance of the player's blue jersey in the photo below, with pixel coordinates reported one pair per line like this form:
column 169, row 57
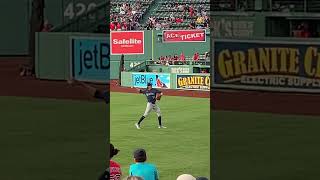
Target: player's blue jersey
column 145, row 170
column 150, row 94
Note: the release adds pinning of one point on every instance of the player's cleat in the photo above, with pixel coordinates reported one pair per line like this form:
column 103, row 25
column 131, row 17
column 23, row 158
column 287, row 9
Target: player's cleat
column 137, row 126
column 163, row 127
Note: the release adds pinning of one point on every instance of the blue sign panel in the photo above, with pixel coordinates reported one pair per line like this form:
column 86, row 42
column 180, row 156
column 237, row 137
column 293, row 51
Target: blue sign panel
column 91, row 59
column 158, row 80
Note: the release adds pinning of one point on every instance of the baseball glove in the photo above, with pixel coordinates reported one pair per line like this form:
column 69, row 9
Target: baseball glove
column 158, row 97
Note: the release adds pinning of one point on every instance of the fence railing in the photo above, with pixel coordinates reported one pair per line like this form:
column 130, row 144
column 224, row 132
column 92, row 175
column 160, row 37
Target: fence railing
column 179, row 62
column 138, row 67
column 267, row 5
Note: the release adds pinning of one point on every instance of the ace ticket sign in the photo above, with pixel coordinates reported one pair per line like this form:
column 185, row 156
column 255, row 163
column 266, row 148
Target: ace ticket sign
column 198, row 35
column 127, row 42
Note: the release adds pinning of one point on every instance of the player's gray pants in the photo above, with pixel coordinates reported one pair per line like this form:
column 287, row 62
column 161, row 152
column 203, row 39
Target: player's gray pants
column 150, row 107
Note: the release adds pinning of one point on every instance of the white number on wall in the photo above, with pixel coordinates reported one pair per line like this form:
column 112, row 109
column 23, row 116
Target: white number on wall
column 77, row 9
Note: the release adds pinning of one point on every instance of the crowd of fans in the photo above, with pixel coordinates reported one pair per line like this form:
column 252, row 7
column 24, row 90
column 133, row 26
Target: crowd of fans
column 180, row 13
column 139, row 170
column 129, row 16
column 182, row 59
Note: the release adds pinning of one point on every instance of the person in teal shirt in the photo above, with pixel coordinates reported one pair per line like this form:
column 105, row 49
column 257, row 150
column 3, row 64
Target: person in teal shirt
column 145, row 170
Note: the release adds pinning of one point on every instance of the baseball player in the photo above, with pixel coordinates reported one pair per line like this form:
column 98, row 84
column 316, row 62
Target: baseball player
column 151, row 95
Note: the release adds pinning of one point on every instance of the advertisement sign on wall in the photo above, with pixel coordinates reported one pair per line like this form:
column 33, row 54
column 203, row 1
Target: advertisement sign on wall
column 198, row 35
column 90, row 59
column 267, row 65
column 127, row 42
column 180, row 70
column 193, row 82
column 158, row 80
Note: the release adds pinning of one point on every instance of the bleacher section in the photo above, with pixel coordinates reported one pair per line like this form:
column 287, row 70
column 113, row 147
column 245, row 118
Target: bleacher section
column 161, row 14
column 267, row 5
column 130, row 15
column 167, row 9
column 266, row 18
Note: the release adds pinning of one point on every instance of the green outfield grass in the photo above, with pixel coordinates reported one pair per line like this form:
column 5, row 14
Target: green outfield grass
column 52, row 139
column 258, row 146
column 184, row 147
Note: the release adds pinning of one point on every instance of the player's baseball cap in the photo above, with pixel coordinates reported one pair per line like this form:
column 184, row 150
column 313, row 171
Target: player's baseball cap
column 186, row 177
column 149, row 84
column 140, row 155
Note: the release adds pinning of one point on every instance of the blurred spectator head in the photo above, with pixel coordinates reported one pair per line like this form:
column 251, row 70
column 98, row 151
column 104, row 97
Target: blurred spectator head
column 140, row 155
column 186, row 177
column 113, row 151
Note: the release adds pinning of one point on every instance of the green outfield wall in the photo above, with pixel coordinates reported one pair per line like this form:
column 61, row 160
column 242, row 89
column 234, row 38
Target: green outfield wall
column 183, row 81
column 16, row 15
column 154, row 48
column 177, row 68
column 54, row 53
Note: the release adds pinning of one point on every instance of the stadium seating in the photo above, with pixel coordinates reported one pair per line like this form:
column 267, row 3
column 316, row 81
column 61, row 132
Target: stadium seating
column 156, row 14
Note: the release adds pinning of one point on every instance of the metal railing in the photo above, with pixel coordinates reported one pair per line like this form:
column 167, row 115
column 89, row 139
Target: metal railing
column 138, row 67
column 201, row 62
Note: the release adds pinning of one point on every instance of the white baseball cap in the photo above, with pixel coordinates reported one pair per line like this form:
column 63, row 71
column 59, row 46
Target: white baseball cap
column 186, row 177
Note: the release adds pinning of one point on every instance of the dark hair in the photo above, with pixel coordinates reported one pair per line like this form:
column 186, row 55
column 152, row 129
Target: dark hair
column 113, row 151
column 140, row 155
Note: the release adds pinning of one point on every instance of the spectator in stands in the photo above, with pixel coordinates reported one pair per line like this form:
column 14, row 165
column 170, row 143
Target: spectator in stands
column 191, row 11
column 141, row 168
column 112, row 26
column 182, row 57
column 158, row 25
column 115, row 169
column 200, row 20
column 118, row 26
column 305, row 33
column 179, row 20
column 207, row 56
column 196, row 56
column 192, row 24
column 172, row 18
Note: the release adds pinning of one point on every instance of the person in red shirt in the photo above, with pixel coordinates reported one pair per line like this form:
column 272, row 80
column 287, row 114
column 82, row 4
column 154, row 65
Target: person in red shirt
column 179, row 20
column 115, row 169
column 196, row 56
column 182, row 57
column 118, row 26
column 112, row 26
column 191, row 11
column 305, row 31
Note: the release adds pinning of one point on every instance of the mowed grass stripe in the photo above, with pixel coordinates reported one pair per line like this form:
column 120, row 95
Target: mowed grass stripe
column 265, row 146
column 181, row 148
column 52, row 139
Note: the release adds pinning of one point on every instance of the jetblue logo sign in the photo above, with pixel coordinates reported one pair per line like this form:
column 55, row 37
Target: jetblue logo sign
column 91, row 59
